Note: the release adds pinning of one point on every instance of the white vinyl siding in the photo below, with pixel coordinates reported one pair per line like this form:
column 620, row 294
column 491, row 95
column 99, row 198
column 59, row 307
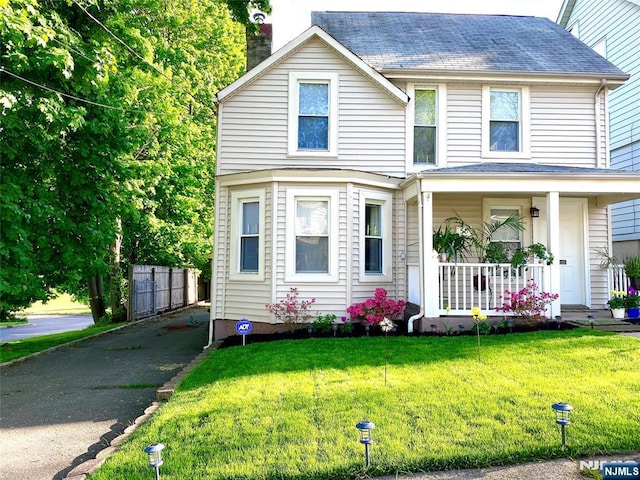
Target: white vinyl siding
column 464, row 124
column 617, row 21
column 371, row 125
column 625, row 215
column 563, row 126
column 598, row 240
column 233, row 299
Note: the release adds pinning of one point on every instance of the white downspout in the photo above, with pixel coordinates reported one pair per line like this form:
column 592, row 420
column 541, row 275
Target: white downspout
column 596, row 100
column 420, row 313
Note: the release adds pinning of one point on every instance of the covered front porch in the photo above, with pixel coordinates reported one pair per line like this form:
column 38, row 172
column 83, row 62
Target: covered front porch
column 573, row 223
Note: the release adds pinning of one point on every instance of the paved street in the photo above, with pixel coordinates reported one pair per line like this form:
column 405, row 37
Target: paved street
column 44, row 325
column 59, row 409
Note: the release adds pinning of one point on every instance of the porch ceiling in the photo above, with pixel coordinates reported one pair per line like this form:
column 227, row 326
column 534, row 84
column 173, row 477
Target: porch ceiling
column 607, row 186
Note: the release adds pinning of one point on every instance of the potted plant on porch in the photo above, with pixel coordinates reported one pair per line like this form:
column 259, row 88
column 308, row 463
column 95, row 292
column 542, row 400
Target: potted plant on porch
column 617, row 303
column 481, row 239
column 632, row 270
column 632, row 302
column 449, row 243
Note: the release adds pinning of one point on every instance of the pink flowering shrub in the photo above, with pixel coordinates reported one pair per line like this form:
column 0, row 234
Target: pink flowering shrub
column 291, row 311
column 527, row 303
column 374, row 310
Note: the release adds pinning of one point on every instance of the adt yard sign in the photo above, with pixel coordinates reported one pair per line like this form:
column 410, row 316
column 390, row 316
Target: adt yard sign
column 243, row 327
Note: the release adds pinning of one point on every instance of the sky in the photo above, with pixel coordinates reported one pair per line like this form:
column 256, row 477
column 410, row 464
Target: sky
column 292, row 17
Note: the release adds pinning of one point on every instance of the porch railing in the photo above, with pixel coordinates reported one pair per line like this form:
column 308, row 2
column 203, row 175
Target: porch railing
column 466, row 285
column 617, row 278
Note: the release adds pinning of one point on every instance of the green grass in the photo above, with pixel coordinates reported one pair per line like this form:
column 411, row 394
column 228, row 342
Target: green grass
column 287, row 410
column 21, row 348
column 13, row 323
column 63, row 304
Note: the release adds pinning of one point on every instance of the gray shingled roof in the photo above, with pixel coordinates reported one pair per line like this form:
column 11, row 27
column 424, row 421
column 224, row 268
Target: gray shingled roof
column 524, row 168
column 435, row 41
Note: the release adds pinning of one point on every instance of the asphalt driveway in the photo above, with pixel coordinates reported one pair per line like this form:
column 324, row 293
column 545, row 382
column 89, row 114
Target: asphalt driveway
column 45, row 325
column 59, row 409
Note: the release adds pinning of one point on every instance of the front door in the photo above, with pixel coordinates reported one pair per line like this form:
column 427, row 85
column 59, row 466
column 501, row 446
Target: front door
column 572, row 251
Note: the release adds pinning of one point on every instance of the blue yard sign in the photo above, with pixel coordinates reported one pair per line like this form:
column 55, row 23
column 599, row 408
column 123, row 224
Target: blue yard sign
column 243, row 327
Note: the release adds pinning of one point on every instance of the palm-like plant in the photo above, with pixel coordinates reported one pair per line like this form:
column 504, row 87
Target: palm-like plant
column 481, row 238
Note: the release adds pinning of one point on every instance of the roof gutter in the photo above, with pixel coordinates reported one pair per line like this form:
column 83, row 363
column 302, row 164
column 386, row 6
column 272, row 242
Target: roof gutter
column 596, row 101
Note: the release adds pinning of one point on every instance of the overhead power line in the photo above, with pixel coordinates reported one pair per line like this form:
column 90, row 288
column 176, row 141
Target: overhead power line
column 138, row 56
column 84, row 100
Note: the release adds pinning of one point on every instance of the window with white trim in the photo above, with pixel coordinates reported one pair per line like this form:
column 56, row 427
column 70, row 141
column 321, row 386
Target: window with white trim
column 505, row 122
column 426, row 126
column 312, row 235
column 247, row 232
column 249, row 236
column 313, row 100
column 510, row 239
column 498, row 209
column 375, row 236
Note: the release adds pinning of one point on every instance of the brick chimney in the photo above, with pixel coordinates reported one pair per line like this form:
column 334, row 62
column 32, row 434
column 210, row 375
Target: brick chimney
column 259, row 45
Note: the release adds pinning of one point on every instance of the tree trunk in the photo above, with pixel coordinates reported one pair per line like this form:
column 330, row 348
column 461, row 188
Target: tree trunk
column 96, row 297
column 115, row 274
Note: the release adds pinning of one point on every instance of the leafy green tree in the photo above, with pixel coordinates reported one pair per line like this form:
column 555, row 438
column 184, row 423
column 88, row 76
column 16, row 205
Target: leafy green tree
column 108, row 138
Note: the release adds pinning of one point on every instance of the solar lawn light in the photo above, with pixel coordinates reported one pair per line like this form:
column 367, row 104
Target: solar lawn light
column 559, row 321
column 154, row 451
column 461, row 327
column 365, row 428
column 592, row 320
column 563, row 412
column 434, row 327
column 510, row 323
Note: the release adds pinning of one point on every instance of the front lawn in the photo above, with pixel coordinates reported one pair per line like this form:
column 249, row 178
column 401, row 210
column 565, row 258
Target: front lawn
column 288, row 409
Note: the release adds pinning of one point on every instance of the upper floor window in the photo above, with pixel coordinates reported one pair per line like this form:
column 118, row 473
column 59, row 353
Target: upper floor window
column 313, row 116
column 505, row 122
column 313, row 100
column 424, row 127
column 504, row 125
column 247, row 231
column 312, row 235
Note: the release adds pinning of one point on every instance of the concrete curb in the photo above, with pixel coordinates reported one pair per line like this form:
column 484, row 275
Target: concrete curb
column 164, row 393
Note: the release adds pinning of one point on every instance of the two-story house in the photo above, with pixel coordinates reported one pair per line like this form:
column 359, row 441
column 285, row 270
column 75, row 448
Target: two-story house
column 613, row 30
column 342, row 152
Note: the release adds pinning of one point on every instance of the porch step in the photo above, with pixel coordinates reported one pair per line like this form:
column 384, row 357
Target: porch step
column 575, row 308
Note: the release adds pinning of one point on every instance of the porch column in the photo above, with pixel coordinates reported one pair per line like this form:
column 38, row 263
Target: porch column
column 553, row 245
column 430, row 285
